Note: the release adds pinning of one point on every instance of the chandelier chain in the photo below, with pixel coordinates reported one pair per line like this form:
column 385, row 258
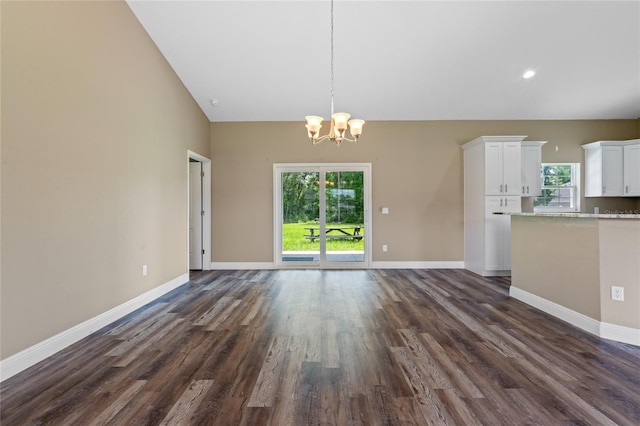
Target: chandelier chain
column 332, row 83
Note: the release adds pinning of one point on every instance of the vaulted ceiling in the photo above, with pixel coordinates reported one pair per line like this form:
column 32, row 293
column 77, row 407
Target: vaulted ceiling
column 403, row 60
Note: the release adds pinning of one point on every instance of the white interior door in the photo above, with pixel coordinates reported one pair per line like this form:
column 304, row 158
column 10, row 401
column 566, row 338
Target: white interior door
column 195, row 215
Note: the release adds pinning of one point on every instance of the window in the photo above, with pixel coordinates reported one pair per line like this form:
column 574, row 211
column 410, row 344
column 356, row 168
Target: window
column 560, row 188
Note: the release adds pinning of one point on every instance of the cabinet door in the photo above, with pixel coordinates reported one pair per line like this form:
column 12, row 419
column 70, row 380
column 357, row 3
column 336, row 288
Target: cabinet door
column 593, row 172
column 498, row 231
column 531, row 162
column 493, row 169
column 612, row 179
column 511, row 168
column 494, row 234
column 511, row 205
column 632, row 170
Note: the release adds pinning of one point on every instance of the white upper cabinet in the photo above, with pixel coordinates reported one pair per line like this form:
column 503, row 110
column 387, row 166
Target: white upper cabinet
column 608, row 173
column 502, row 168
column 531, row 164
column 493, row 169
column 612, row 171
column 511, row 168
column 631, row 157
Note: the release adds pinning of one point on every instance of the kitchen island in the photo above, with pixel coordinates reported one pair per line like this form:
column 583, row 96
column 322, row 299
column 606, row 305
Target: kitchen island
column 565, row 264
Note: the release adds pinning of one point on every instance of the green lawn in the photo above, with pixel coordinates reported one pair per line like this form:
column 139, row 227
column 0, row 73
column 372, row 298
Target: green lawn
column 293, row 239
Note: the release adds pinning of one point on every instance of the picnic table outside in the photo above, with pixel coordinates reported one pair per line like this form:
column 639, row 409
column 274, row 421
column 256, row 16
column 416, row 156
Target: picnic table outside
column 335, row 231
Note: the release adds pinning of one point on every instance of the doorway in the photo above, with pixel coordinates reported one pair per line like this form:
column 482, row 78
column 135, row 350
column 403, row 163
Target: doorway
column 322, row 215
column 198, row 212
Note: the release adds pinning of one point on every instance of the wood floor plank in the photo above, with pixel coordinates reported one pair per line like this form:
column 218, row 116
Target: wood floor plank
column 218, row 307
column 222, row 316
column 107, row 415
column 457, row 407
column 134, row 353
column 141, row 334
column 343, row 347
column 531, row 411
column 183, row 409
column 463, row 383
column 136, row 318
column 288, row 395
column 329, row 340
column 437, row 378
column 433, row 410
column 255, row 307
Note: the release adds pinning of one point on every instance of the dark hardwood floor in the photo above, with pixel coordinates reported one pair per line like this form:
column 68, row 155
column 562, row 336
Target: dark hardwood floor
column 310, row 347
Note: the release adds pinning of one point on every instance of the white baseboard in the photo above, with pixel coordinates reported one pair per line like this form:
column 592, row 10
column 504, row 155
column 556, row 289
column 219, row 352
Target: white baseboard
column 572, row 317
column 36, row 353
column 620, row 333
column 614, row 332
column 374, row 265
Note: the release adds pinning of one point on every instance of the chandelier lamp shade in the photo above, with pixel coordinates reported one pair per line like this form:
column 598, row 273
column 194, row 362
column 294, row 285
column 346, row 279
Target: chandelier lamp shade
column 337, row 129
column 339, row 120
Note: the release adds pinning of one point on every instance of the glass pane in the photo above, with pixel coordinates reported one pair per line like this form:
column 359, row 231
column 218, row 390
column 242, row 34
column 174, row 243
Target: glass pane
column 556, row 198
column 300, row 217
column 559, row 192
column 344, row 192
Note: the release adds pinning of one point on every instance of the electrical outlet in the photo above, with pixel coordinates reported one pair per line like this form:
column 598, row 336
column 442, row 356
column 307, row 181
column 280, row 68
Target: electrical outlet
column 144, row 270
column 384, row 247
column 617, row 293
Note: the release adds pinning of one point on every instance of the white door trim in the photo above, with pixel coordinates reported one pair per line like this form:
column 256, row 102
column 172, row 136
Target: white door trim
column 206, row 205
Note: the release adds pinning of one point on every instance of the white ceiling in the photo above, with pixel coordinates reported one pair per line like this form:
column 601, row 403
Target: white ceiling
column 403, row 60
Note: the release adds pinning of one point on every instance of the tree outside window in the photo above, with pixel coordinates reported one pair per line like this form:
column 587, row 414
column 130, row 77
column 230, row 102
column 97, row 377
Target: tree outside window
column 560, row 188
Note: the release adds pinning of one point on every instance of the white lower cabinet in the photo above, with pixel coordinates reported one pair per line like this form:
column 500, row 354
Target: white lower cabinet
column 498, row 232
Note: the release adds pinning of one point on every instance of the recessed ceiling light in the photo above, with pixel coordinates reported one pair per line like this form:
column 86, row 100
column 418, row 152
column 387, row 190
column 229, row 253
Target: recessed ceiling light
column 529, row 74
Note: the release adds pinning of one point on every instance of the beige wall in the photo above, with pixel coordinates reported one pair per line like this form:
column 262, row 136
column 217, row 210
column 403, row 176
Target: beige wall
column 620, row 266
column 557, row 259
column 95, row 132
column 417, row 173
column 574, row 262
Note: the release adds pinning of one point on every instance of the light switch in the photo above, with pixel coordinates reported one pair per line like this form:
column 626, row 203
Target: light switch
column 385, row 210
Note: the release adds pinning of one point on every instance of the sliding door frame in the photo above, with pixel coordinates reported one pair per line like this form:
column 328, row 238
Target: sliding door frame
column 321, row 168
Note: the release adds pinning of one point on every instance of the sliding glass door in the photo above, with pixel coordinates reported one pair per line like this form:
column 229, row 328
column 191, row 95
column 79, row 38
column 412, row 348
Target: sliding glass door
column 322, row 215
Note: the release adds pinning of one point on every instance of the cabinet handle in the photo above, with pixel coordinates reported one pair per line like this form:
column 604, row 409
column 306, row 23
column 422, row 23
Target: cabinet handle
column 500, row 202
column 523, row 189
column 604, row 189
column 627, row 188
column 527, row 189
column 505, row 188
column 501, row 188
column 505, row 202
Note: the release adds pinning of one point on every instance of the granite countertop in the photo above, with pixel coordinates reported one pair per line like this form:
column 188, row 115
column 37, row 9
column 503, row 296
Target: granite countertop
column 632, row 214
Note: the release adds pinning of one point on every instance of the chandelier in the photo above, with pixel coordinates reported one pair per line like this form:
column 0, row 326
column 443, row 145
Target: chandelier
column 339, row 120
